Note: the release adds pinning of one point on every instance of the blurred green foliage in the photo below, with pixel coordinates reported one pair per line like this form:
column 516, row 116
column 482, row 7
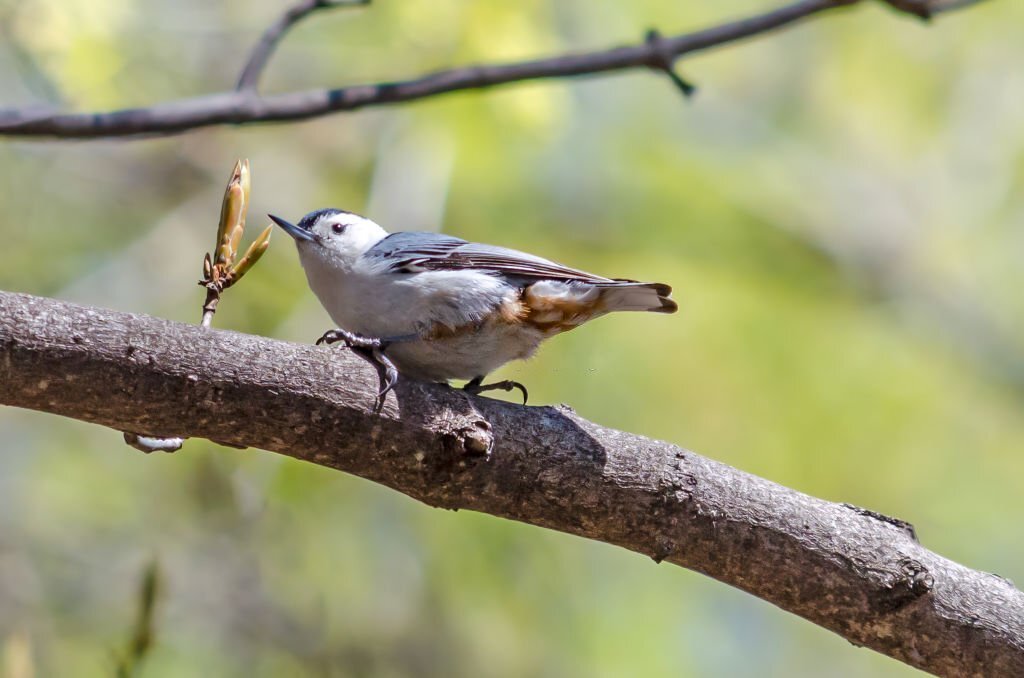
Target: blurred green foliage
column 838, row 209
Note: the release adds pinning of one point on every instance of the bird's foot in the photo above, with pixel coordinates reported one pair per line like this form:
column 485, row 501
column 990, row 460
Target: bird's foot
column 372, row 350
column 350, row 339
column 476, row 386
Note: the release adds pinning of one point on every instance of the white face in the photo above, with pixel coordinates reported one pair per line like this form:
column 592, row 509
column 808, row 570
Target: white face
column 333, row 236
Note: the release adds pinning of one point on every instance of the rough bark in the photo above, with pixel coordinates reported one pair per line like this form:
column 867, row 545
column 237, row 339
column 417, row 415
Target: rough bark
column 855, row 572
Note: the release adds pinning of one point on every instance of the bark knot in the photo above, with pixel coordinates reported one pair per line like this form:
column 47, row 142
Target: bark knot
column 467, row 437
column 477, row 438
column 911, row 583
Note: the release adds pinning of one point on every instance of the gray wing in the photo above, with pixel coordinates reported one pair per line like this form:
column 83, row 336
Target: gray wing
column 415, row 252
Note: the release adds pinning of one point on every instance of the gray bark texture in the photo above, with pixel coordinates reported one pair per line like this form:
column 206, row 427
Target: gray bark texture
column 855, row 572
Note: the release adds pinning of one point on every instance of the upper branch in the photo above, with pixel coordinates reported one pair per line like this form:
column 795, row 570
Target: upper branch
column 268, row 41
column 855, row 572
column 245, row 107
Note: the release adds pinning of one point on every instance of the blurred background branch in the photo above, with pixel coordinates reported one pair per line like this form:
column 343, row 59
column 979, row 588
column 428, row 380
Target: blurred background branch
column 35, row 77
column 243, row 107
column 130, row 660
column 926, row 9
column 249, row 80
column 853, row 571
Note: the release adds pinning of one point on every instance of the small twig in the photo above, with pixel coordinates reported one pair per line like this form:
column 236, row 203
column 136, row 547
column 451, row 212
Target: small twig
column 221, row 270
column 141, row 640
column 242, row 108
column 210, row 307
column 664, row 61
column 249, row 79
column 225, row 267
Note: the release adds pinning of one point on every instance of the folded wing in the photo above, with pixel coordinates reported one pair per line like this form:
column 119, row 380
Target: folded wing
column 416, row 252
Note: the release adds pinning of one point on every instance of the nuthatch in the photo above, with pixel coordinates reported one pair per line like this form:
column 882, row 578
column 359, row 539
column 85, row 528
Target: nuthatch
column 435, row 308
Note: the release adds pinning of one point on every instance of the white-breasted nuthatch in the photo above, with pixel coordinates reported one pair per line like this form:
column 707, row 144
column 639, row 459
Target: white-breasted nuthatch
column 435, row 308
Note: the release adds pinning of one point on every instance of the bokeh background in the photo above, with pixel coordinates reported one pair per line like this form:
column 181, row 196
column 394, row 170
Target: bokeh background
column 839, row 209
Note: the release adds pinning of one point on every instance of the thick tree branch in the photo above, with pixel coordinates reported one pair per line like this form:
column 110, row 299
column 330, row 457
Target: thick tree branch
column 852, row 571
column 246, row 107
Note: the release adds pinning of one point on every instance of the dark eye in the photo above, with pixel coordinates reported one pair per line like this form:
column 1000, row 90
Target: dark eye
column 338, row 228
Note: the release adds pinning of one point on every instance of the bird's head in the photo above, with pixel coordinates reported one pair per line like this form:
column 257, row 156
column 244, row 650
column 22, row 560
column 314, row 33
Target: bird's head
column 332, row 236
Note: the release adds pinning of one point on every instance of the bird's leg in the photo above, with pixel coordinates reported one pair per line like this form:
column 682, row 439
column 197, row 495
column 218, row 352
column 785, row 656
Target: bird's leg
column 372, row 350
column 350, row 339
column 387, row 373
column 476, row 386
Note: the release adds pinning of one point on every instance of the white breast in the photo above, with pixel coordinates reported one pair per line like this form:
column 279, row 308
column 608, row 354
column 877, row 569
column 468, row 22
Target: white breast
column 383, row 305
column 393, row 304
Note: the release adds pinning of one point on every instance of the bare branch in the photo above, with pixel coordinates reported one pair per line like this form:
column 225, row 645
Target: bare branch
column 940, row 6
column 243, row 108
column 666, row 63
column 249, row 79
column 853, row 571
column 926, row 9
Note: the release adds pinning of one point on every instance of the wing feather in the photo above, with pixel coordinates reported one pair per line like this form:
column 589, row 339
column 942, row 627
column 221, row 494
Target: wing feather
column 413, row 252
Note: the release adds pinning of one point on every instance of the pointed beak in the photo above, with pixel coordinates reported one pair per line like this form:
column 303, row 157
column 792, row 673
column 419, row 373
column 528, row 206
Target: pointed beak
column 291, row 229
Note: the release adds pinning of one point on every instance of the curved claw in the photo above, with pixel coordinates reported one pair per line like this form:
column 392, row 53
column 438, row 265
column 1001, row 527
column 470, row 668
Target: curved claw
column 526, row 395
column 329, row 337
column 388, row 377
column 372, row 350
column 351, row 340
column 476, row 388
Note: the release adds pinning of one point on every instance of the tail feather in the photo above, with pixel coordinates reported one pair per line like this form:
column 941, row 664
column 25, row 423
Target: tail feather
column 636, row 296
